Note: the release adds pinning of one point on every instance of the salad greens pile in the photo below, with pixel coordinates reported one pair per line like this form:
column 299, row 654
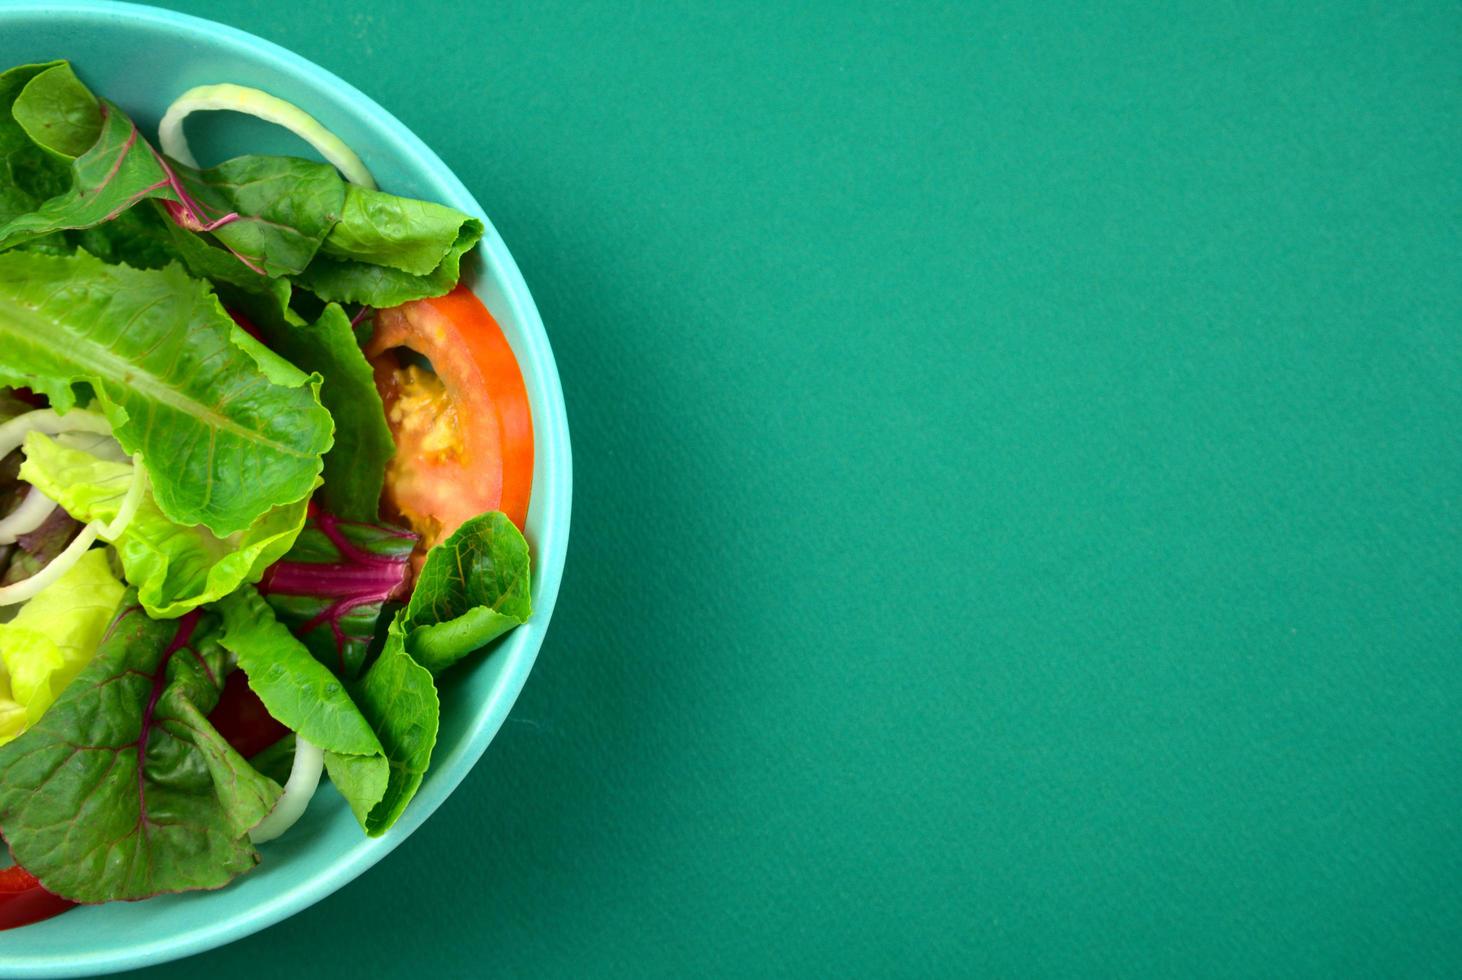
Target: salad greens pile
column 192, row 454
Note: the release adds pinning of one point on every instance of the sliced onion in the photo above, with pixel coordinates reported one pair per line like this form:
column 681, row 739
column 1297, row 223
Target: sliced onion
column 60, row 565
column 304, row 779
column 31, row 514
column 47, row 421
column 96, row 444
column 113, row 530
column 241, row 98
column 13, row 432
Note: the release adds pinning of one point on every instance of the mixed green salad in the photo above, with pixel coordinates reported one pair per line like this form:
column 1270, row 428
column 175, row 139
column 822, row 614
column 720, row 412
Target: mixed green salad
column 263, row 468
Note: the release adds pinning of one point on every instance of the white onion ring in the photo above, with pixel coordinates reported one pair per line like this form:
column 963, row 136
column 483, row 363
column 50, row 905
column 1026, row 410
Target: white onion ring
column 262, row 105
column 60, row 565
column 13, row 432
column 113, row 530
column 304, row 779
column 99, row 445
column 31, row 514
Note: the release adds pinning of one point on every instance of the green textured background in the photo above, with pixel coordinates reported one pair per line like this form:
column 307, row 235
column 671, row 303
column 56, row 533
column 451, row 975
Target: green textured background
column 1018, row 515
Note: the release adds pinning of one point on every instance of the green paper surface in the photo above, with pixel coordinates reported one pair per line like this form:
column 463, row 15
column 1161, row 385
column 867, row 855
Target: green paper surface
column 1018, row 491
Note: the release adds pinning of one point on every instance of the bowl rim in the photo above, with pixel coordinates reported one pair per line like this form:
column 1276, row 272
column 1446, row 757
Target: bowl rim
column 549, row 514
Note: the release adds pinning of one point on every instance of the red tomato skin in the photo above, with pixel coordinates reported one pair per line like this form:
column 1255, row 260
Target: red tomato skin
column 493, row 470
column 23, row 900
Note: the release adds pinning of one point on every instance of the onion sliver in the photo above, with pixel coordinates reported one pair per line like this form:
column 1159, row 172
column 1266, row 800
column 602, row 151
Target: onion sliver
column 252, row 101
column 60, row 565
column 31, row 514
column 12, row 433
column 304, row 779
column 113, row 530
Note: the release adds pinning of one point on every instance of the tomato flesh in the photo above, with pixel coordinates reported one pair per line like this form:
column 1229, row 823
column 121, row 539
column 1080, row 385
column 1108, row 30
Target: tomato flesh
column 24, row 900
column 463, row 430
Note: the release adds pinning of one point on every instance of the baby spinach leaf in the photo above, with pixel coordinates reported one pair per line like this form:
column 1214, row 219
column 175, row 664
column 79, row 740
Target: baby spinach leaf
column 473, row 588
column 59, row 113
column 338, row 280
column 398, row 232
column 277, row 216
column 118, row 170
column 228, row 430
column 285, row 208
column 123, row 789
column 32, row 175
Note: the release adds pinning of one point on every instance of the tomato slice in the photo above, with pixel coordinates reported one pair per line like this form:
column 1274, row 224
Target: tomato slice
column 241, row 718
column 24, row 900
column 463, row 430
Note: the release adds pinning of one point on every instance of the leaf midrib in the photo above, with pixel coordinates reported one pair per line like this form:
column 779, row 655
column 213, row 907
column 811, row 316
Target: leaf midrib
column 110, row 367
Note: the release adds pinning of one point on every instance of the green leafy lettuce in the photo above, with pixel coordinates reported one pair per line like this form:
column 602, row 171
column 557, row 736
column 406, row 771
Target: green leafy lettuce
column 28, row 174
column 227, row 429
column 275, row 216
column 58, row 112
column 302, row 694
column 174, row 567
column 123, row 790
column 121, row 273
column 388, row 250
column 382, row 286
column 117, row 171
column 472, row 588
column 285, row 208
column 400, row 701
column 51, row 639
column 355, row 467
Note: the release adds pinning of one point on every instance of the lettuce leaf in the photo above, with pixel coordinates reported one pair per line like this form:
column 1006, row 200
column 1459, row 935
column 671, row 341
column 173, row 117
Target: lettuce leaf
column 337, row 280
column 383, row 229
column 174, row 567
column 123, row 790
column 146, row 238
column 278, row 216
column 472, row 589
column 400, row 701
column 59, row 113
column 285, row 207
column 33, row 175
column 52, row 638
column 355, row 467
column 276, row 210
column 302, row 694
column 227, row 429
column 118, row 170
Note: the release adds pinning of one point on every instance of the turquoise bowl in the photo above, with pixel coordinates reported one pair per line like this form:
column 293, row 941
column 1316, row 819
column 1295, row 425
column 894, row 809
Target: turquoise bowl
column 140, row 58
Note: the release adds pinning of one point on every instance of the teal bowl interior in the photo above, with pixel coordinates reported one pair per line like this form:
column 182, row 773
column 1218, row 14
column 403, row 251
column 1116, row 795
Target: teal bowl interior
column 140, row 58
